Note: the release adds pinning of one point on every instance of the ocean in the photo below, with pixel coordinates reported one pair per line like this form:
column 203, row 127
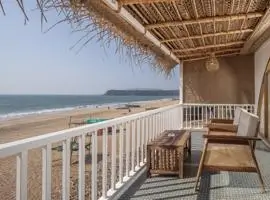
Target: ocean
column 21, row 105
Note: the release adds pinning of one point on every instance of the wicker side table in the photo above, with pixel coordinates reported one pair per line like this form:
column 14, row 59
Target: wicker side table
column 167, row 153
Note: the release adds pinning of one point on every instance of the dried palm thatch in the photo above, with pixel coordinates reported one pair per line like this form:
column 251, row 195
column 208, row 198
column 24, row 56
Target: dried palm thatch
column 187, row 29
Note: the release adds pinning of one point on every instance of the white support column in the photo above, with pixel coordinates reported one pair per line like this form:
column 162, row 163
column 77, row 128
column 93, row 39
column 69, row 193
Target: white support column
column 181, row 93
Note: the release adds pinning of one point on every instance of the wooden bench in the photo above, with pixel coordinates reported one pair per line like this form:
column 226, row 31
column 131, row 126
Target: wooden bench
column 166, row 154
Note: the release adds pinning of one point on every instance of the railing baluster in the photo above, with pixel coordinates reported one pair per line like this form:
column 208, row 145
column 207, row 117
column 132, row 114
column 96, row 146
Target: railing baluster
column 66, row 169
column 21, row 177
column 46, row 172
column 104, row 162
column 81, row 169
column 113, row 157
column 194, row 116
column 146, row 136
column 150, row 128
column 133, row 147
column 94, row 166
column 197, row 116
column 206, row 114
column 186, row 116
column 121, row 152
column 138, row 133
column 189, row 115
column 128, row 127
column 230, row 107
column 154, row 126
column 226, row 110
column 202, row 117
column 143, row 134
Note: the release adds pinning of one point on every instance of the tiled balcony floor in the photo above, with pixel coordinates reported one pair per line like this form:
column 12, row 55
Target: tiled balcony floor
column 214, row 186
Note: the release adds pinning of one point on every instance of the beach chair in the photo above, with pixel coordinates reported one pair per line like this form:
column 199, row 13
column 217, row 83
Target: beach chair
column 233, row 152
column 225, row 124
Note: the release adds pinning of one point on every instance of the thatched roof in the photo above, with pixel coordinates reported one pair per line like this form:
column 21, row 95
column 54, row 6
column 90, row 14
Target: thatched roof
column 165, row 32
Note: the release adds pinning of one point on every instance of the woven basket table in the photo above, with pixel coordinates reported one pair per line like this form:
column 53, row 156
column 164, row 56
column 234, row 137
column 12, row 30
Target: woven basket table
column 166, row 154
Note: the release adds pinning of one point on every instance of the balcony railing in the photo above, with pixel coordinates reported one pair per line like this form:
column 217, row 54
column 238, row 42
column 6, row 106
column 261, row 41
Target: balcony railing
column 117, row 149
column 196, row 116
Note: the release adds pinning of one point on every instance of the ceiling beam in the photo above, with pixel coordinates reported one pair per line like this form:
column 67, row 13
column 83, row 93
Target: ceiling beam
column 205, row 20
column 130, row 2
column 210, row 46
column 203, row 53
column 205, row 57
column 259, row 35
column 207, row 35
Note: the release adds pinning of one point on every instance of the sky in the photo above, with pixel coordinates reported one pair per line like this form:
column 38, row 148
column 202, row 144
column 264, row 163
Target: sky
column 34, row 62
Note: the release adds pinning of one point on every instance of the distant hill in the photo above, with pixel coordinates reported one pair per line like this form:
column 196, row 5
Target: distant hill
column 142, row 92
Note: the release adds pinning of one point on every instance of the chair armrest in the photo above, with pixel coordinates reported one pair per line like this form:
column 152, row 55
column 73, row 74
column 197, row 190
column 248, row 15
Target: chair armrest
column 231, row 137
column 223, row 121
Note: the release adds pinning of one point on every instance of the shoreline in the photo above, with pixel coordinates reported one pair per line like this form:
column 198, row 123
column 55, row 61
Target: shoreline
column 33, row 125
column 16, row 115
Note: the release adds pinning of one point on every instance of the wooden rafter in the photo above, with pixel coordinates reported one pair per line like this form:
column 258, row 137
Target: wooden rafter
column 210, row 46
column 203, row 53
column 205, row 20
column 229, row 21
column 207, row 35
column 214, row 14
column 130, row 2
column 180, row 17
column 197, row 16
column 205, row 57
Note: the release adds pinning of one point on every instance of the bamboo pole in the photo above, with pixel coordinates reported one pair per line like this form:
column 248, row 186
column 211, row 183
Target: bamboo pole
column 205, row 57
column 210, row 46
column 205, row 20
column 207, row 35
column 203, row 53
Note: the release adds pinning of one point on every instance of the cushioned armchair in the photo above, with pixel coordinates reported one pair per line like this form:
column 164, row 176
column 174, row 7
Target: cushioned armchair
column 232, row 151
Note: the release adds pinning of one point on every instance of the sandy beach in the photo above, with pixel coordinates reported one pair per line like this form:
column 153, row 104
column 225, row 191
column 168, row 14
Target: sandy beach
column 29, row 126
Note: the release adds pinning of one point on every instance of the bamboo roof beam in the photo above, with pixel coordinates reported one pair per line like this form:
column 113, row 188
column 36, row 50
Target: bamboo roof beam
column 203, row 53
column 207, row 35
column 210, row 46
column 197, row 16
column 229, row 21
column 205, row 57
column 205, row 20
column 130, row 2
column 180, row 17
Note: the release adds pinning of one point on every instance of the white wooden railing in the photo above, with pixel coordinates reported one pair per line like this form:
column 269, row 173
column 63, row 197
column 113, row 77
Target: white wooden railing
column 123, row 148
column 196, row 116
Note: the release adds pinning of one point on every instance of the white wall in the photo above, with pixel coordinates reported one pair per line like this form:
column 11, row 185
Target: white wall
column 262, row 56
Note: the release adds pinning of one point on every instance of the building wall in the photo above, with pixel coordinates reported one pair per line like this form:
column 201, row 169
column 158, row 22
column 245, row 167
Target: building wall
column 232, row 83
column 261, row 58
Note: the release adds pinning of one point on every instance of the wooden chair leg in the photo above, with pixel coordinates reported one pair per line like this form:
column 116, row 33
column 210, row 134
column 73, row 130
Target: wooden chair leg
column 257, row 167
column 201, row 164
